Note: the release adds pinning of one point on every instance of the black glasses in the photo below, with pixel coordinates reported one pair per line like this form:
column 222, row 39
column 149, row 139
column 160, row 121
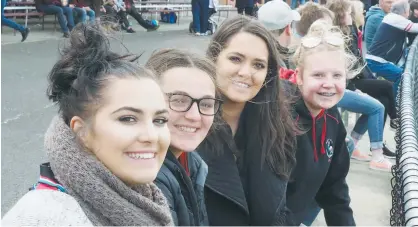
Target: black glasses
column 183, row 103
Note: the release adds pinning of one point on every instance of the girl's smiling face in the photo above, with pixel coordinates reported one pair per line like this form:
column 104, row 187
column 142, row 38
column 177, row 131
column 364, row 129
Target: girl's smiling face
column 322, row 80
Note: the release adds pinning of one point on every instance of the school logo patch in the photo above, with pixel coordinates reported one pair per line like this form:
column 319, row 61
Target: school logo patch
column 329, row 148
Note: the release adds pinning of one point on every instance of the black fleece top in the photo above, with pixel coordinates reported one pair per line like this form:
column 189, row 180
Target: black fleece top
column 322, row 164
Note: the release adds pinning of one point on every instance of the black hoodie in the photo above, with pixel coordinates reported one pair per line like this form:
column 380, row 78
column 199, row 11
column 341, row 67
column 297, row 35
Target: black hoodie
column 322, row 166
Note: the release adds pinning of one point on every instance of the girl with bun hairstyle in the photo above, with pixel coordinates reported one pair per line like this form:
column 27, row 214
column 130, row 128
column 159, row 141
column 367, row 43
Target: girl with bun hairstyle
column 322, row 159
column 106, row 145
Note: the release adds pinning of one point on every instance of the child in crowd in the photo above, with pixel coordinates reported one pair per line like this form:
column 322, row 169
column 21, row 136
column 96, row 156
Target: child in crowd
column 322, row 159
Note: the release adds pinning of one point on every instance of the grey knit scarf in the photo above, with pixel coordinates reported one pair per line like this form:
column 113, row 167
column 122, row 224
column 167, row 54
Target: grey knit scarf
column 104, row 198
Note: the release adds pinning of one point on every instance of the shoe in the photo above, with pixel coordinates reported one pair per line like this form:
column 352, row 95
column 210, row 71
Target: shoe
column 394, row 123
column 25, row 34
column 381, row 165
column 66, row 35
column 388, row 153
column 197, row 34
column 130, row 30
column 359, row 156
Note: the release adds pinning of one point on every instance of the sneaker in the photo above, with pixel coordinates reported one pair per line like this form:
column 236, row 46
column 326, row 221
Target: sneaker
column 359, row 156
column 381, row 165
column 394, row 123
column 25, row 34
column 130, row 30
column 66, row 35
column 197, row 34
column 388, row 153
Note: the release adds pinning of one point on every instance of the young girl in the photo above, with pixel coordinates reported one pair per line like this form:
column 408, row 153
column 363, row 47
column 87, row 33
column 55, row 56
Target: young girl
column 188, row 80
column 250, row 155
column 378, row 92
column 105, row 147
column 322, row 160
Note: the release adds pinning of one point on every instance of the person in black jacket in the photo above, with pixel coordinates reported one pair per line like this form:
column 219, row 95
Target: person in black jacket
column 188, row 80
column 250, row 155
column 322, row 157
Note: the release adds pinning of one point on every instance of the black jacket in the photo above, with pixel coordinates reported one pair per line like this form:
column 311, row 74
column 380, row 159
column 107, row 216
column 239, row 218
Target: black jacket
column 320, row 170
column 238, row 190
column 184, row 193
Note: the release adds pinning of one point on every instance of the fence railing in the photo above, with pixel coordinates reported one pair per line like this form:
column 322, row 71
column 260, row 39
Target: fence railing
column 404, row 210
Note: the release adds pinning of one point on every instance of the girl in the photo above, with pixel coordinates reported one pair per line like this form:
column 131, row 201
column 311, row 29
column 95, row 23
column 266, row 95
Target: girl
column 250, row 155
column 105, row 147
column 373, row 112
column 188, row 80
column 322, row 160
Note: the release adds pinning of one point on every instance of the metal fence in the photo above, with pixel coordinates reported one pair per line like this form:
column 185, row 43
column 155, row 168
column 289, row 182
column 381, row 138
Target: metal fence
column 404, row 210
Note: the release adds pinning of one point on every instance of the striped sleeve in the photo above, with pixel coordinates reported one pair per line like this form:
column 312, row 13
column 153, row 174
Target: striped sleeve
column 401, row 22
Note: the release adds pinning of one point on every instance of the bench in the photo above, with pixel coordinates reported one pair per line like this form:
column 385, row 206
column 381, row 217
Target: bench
column 168, row 11
column 31, row 14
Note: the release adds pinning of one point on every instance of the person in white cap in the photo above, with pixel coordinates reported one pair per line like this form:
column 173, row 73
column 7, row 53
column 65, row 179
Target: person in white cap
column 277, row 17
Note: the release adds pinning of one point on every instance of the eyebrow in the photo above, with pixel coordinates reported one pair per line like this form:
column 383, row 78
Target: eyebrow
column 139, row 111
column 257, row 59
column 185, row 93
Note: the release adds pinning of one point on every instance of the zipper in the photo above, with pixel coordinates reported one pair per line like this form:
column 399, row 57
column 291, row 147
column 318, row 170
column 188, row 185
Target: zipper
column 193, row 201
column 393, row 47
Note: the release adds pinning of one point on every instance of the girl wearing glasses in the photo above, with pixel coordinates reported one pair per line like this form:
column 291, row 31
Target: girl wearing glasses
column 322, row 159
column 106, row 145
column 250, row 156
column 188, row 81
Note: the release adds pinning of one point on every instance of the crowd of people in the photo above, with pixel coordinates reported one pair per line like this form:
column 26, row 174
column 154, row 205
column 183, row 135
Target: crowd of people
column 71, row 12
column 246, row 135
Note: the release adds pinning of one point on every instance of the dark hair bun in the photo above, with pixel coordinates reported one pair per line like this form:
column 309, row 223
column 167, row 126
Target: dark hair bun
column 88, row 45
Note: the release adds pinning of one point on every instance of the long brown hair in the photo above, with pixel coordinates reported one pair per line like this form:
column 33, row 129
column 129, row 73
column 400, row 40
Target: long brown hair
column 339, row 8
column 269, row 125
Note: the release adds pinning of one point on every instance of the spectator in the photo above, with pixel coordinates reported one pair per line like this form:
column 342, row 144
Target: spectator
column 61, row 10
column 186, row 79
column 322, row 160
column 131, row 10
column 310, row 12
column 200, row 11
column 355, row 100
column 374, row 18
column 388, row 44
column 116, row 10
column 9, row 23
column 361, row 82
column 414, row 18
column 358, row 17
column 83, row 8
column 246, row 6
column 277, row 16
column 296, row 3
